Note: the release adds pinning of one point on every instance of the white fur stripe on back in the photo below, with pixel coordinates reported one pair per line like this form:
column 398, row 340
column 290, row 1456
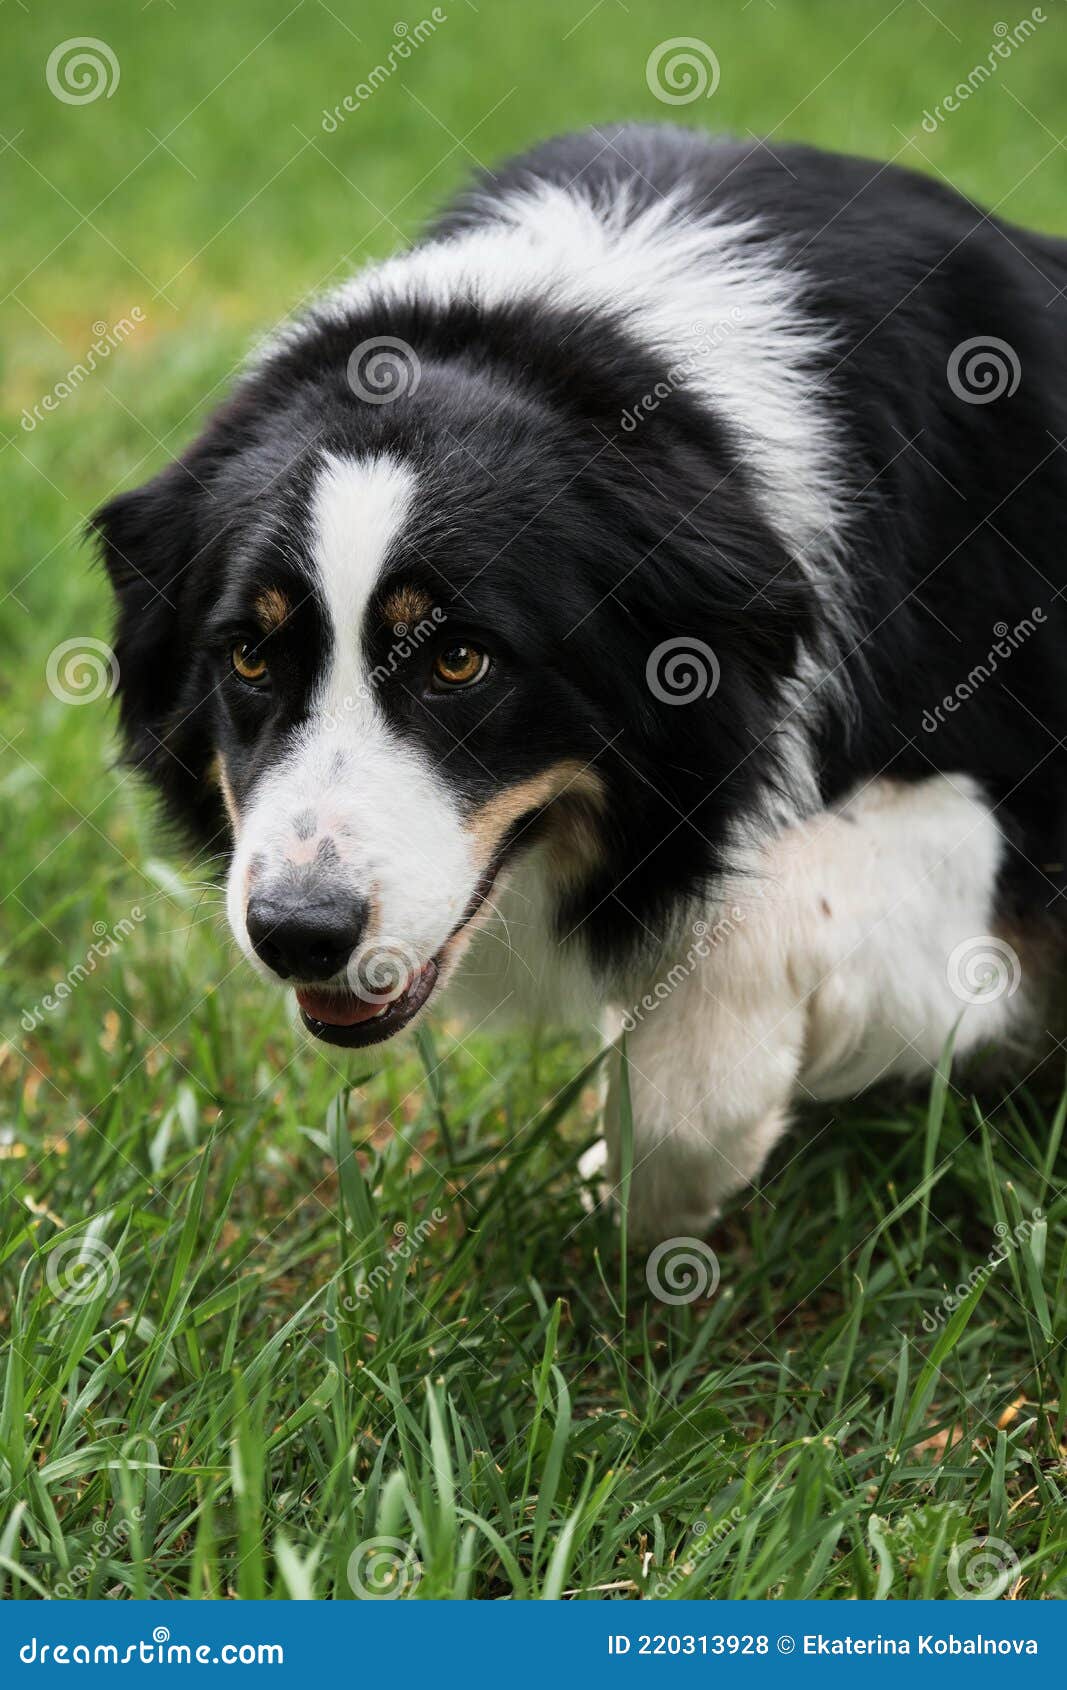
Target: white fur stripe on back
column 716, row 304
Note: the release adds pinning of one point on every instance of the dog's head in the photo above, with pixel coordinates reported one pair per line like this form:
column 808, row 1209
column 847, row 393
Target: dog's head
column 375, row 651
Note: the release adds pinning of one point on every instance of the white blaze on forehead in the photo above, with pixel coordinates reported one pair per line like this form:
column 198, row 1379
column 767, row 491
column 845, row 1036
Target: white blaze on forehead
column 350, row 791
column 358, row 508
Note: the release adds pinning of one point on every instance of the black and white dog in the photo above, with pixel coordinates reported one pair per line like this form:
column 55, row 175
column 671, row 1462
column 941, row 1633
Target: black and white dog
column 646, row 595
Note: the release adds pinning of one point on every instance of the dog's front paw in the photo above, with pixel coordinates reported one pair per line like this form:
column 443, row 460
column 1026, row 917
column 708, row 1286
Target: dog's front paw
column 592, row 1171
column 653, row 1223
column 650, row 1221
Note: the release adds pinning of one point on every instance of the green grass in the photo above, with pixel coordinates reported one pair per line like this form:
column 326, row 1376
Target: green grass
column 316, row 1304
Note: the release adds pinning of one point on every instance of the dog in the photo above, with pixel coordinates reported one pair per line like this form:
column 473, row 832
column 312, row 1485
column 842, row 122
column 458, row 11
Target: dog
column 642, row 598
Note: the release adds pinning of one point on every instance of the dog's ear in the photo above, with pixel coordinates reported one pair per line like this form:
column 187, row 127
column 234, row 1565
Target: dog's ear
column 150, row 541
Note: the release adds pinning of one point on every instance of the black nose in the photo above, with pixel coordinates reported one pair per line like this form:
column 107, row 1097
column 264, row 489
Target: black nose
column 304, row 941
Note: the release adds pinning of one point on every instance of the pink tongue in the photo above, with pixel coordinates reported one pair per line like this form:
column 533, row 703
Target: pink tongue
column 337, row 1011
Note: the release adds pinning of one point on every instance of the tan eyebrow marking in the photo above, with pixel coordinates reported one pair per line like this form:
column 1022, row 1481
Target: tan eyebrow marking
column 406, row 605
column 272, row 607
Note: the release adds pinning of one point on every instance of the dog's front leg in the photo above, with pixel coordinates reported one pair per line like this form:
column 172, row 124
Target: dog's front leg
column 847, row 957
column 713, row 1051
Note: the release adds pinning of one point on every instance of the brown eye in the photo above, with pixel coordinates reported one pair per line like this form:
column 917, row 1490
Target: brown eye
column 248, row 664
column 459, row 666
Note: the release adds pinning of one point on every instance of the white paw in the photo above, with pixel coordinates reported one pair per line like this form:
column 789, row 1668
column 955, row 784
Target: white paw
column 591, row 1165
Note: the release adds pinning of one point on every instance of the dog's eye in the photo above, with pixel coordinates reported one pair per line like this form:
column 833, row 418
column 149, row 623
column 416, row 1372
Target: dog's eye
column 460, row 666
column 248, row 664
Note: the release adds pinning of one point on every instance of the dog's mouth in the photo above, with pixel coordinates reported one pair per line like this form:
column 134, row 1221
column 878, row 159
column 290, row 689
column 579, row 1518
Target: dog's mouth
column 344, row 1018
column 339, row 1016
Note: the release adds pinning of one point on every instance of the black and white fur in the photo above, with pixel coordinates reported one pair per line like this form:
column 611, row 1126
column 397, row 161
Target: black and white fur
column 660, row 389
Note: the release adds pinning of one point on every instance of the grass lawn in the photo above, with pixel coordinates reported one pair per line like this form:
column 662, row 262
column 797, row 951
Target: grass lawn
column 263, row 1306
